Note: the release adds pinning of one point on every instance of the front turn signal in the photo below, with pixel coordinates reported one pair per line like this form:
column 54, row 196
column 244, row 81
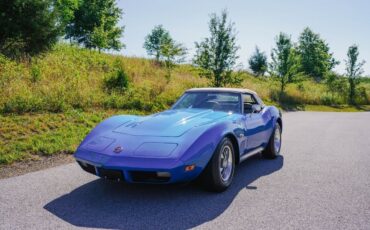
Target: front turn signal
column 189, row 168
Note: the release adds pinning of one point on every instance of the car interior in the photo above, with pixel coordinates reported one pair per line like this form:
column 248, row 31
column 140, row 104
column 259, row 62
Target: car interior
column 216, row 102
column 250, row 104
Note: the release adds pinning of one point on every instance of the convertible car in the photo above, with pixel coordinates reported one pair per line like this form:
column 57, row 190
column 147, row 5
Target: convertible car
column 205, row 134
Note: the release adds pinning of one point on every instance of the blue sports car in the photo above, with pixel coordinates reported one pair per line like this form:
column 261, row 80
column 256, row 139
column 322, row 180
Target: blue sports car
column 205, row 134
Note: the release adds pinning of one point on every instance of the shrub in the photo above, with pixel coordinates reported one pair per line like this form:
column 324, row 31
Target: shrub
column 117, row 81
column 361, row 96
column 22, row 104
column 35, row 73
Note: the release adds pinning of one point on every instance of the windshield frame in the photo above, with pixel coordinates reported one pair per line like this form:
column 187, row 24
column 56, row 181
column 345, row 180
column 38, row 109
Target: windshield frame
column 216, row 92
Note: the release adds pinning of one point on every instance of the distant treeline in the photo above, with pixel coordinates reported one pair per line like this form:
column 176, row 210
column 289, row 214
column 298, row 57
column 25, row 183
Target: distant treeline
column 31, row 27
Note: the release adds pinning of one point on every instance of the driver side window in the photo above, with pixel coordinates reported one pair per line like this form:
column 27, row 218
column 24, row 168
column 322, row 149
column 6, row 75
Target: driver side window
column 249, row 101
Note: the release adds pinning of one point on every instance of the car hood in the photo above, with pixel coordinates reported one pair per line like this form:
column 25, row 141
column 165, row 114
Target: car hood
column 170, row 123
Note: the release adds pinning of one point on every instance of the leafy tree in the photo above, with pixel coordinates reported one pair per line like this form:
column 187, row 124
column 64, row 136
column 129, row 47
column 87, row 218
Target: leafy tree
column 95, row 25
column 28, row 27
column 316, row 60
column 66, row 10
column 163, row 47
column 354, row 70
column 155, row 40
column 216, row 55
column 285, row 61
column 172, row 53
column 258, row 62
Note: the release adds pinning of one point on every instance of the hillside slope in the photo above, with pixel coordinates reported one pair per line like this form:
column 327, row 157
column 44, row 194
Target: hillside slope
column 48, row 106
column 74, row 78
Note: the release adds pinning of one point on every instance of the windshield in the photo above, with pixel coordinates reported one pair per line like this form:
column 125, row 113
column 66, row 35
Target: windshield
column 226, row 102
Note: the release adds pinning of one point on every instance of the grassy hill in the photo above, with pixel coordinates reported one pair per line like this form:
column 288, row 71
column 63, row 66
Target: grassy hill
column 48, row 105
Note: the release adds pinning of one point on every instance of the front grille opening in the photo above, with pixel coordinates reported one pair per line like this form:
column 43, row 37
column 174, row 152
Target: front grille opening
column 87, row 167
column 111, row 174
column 150, row 177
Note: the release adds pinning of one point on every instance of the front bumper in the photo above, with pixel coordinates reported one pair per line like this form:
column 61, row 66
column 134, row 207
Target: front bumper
column 135, row 169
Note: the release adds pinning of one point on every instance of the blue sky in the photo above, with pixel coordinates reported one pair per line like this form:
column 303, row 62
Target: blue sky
column 340, row 22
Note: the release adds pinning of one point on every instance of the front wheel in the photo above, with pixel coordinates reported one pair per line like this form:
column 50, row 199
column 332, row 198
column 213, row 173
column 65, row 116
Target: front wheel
column 273, row 147
column 219, row 172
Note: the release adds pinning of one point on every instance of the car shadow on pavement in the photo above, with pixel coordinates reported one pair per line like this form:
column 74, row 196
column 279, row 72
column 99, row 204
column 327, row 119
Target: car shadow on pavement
column 111, row 205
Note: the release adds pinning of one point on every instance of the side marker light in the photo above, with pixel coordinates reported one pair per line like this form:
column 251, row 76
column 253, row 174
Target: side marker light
column 189, row 168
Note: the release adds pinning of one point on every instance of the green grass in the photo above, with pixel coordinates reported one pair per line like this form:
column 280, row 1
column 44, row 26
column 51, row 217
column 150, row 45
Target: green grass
column 339, row 108
column 28, row 136
column 49, row 105
column 73, row 78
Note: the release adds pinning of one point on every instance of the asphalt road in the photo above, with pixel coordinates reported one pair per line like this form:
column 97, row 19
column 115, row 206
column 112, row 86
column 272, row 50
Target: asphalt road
column 321, row 181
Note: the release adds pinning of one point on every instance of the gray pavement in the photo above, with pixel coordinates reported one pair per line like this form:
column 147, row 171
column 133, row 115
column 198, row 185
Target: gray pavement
column 321, row 181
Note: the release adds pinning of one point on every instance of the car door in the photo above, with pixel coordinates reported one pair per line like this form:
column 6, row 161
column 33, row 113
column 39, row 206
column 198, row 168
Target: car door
column 254, row 123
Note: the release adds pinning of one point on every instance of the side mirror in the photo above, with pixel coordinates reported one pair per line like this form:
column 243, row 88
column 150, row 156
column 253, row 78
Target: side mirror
column 256, row 108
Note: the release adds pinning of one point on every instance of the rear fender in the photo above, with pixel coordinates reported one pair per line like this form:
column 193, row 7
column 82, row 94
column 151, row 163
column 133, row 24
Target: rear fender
column 274, row 115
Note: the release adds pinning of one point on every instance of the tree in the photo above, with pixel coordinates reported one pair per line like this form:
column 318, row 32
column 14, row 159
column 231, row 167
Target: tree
column 285, row 61
column 66, row 10
column 28, row 27
column 163, row 47
column 94, row 25
column 216, row 55
column 316, row 60
column 354, row 70
column 258, row 62
column 172, row 52
column 155, row 40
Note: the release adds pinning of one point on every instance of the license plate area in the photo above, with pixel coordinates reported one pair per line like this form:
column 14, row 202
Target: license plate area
column 111, row 174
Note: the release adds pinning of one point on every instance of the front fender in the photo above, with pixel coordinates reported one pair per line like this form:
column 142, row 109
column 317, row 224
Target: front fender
column 202, row 149
column 276, row 115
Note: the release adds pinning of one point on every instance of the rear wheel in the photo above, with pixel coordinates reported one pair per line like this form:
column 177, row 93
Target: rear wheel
column 219, row 172
column 273, row 147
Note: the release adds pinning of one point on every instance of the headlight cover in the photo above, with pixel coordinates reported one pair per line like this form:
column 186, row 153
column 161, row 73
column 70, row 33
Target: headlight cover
column 155, row 149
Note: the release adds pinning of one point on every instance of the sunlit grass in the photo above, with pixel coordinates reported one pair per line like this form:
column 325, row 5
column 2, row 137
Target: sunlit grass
column 49, row 105
column 73, row 78
column 31, row 135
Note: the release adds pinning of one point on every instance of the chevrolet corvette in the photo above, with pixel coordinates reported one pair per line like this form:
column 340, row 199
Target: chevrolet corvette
column 204, row 135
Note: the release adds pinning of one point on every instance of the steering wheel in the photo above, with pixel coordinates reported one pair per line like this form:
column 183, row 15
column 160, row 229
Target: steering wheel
column 214, row 104
column 206, row 104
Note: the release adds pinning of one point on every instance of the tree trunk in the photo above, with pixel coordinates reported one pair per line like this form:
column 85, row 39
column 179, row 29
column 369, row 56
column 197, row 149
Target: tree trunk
column 282, row 88
column 282, row 85
column 216, row 79
column 352, row 91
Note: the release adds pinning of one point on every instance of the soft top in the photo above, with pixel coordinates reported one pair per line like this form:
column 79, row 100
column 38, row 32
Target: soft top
column 226, row 90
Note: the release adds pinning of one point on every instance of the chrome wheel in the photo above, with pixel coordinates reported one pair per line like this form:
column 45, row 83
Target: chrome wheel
column 226, row 163
column 277, row 139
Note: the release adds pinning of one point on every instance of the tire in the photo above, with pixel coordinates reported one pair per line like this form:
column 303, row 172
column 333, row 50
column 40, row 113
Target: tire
column 219, row 173
column 273, row 147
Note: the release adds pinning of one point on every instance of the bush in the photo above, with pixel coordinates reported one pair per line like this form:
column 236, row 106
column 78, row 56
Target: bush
column 22, row 104
column 117, row 81
column 337, row 86
column 361, row 96
column 35, row 73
